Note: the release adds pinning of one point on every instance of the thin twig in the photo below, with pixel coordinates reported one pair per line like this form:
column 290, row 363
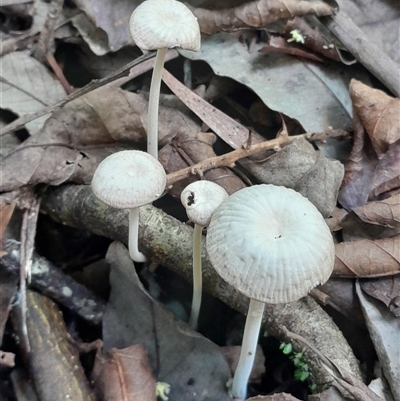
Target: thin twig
column 228, row 159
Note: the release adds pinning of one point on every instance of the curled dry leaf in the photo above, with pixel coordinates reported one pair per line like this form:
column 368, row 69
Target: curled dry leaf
column 359, row 169
column 367, row 258
column 256, row 14
column 188, row 148
column 314, row 39
column 385, row 212
column 110, row 20
column 387, row 176
column 379, row 115
column 124, row 374
column 373, row 165
column 386, row 289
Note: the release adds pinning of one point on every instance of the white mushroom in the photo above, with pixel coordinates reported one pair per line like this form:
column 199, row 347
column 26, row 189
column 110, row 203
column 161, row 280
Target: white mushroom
column 128, row 180
column 200, row 199
column 159, row 25
column 272, row 245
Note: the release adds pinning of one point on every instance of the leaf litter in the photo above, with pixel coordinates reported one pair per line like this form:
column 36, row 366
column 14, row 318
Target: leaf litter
column 76, row 137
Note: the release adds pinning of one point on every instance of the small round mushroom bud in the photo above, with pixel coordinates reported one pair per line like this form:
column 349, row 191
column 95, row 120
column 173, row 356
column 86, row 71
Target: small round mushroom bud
column 159, row 25
column 200, row 199
column 128, row 180
column 272, row 245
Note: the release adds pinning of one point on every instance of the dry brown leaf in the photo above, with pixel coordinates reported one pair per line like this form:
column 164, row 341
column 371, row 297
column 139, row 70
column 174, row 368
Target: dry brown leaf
column 340, row 294
column 256, row 14
column 314, row 39
column 229, row 130
column 386, row 289
column 373, row 165
column 387, row 176
column 81, row 134
column 359, row 169
column 379, row 114
column 67, row 146
column 195, row 147
column 367, row 258
column 192, row 365
column 385, row 212
column 124, row 375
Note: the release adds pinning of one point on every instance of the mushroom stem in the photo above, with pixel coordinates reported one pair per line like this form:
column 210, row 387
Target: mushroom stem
column 134, row 252
column 154, row 98
column 248, row 350
column 197, row 277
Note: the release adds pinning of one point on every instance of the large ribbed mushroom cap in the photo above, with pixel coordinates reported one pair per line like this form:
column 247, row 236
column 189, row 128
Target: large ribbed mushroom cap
column 129, row 179
column 157, row 24
column 270, row 243
column 200, row 199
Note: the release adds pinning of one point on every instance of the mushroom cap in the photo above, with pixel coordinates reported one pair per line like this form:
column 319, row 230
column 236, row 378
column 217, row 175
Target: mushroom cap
column 270, row 243
column 155, row 24
column 129, row 179
column 200, row 199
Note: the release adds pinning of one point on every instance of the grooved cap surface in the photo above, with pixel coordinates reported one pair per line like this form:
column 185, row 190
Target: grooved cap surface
column 155, row 24
column 270, row 243
column 129, row 179
column 200, row 199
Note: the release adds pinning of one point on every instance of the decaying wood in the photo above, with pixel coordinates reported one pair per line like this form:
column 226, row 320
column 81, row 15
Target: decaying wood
column 54, row 361
column 168, row 241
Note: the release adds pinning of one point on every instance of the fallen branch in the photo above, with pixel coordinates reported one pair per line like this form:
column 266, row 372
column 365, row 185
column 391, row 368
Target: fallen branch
column 168, row 241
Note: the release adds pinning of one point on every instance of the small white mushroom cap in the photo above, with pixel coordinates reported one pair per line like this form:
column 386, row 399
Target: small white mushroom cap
column 270, row 243
column 200, row 199
column 129, row 179
column 157, row 24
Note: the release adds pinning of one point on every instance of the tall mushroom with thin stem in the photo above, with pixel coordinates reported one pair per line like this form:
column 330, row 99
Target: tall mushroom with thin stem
column 159, row 25
column 272, row 245
column 128, row 180
column 200, row 199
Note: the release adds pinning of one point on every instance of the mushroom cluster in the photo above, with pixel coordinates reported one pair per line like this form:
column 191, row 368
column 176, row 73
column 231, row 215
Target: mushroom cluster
column 159, row 25
column 272, row 245
column 200, row 199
